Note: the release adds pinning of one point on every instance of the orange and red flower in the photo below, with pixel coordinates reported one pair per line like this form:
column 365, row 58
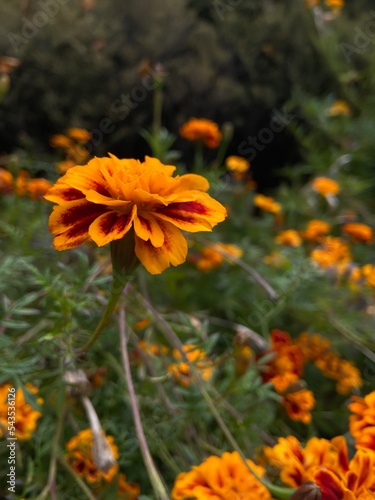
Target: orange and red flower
column 201, row 129
column 221, row 478
column 109, row 198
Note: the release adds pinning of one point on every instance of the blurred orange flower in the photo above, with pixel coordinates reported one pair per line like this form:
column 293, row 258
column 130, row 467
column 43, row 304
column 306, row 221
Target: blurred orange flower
column 6, row 181
column 267, row 204
column 325, row 186
column 333, row 252
column 237, row 164
column 221, row 478
column 127, row 491
column 26, row 416
column 181, row 371
column 298, row 405
column 201, row 129
column 362, row 419
column 289, row 237
column 79, row 456
column 358, row 232
column 338, row 107
column 79, row 134
column 109, row 198
column 315, row 229
column 211, row 258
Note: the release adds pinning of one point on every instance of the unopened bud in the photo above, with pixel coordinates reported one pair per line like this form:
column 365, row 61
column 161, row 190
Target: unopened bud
column 308, row 491
column 102, row 452
column 77, row 382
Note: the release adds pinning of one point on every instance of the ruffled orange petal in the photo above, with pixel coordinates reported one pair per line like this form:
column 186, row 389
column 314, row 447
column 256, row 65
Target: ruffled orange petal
column 69, row 223
column 173, row 251
column 331, row 486
column 61, row 193
column 111, row 226
column 147, row 228
column 199, row 215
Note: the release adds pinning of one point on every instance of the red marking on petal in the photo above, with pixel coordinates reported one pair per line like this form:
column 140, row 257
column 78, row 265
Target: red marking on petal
column 83, row 212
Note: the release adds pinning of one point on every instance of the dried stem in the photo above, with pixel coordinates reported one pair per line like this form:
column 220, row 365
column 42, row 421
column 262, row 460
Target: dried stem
column 156, row 481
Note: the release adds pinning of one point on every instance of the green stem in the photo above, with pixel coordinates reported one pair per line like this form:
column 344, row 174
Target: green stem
column 158, row 107
column 117, row 287
column 199, row 159
column 54, row 453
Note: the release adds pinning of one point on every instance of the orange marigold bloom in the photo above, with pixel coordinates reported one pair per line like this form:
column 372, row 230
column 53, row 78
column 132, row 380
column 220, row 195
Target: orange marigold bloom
column 79, row 134
column 109, row 198
column 289, row 237
column 6, row 181
column 313, row 346
column 325, row 186
column 298, row 405
column 25, row 415
column 342, row 371
column 363, row 414
column 60, row 141
column 315, row 229
column 127, row 491
column 288, row 357
column 153, row 349
column 296, row 463
column 368, row 272
column 221, row 478
column 267, row 204
column 38, row 187
column 201, row 129
column 348, row 480
column 337, row 4
column 237, row 164
column 181, row 372
column 338, row 107
column 358, row 232
column 332, row 252
column 79, row 456
column 212, row 258
column 65, row 165
column 22, row 182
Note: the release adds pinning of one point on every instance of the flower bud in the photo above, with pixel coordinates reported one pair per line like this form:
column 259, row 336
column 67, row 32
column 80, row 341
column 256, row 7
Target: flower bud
column 308, row 491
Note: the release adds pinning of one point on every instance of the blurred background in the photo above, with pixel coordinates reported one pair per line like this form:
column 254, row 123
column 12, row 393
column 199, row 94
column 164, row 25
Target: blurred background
column 89, row 63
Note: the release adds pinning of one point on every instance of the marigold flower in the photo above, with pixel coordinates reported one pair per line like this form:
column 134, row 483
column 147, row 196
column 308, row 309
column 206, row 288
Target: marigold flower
column 296, row 463
column 338, row 107
column 332, row 253
column 315, row 229
column 181, row 372
column 325, row 186
column 61, row 141
column 289, row 237
column 313, row 346
column 363, row 414
column 221, row 478
column 288, row 358
column 298, row 405
column 368, row 272
column 358, row 232
column 109, row 198
column 342, row 371
column 127, row 491
column 65, row 165
column 267, row 204
column 142, row 324
column 6, row 181
column 348, row 480
column 26, row 416
column 275, row 259
column 201, row 129
column 38, row 187
column 80, row 457
column 153, row 349
column 211, row 258
column 21, row 183
column 336, row 4
column 79, row 134
column 237, row 164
